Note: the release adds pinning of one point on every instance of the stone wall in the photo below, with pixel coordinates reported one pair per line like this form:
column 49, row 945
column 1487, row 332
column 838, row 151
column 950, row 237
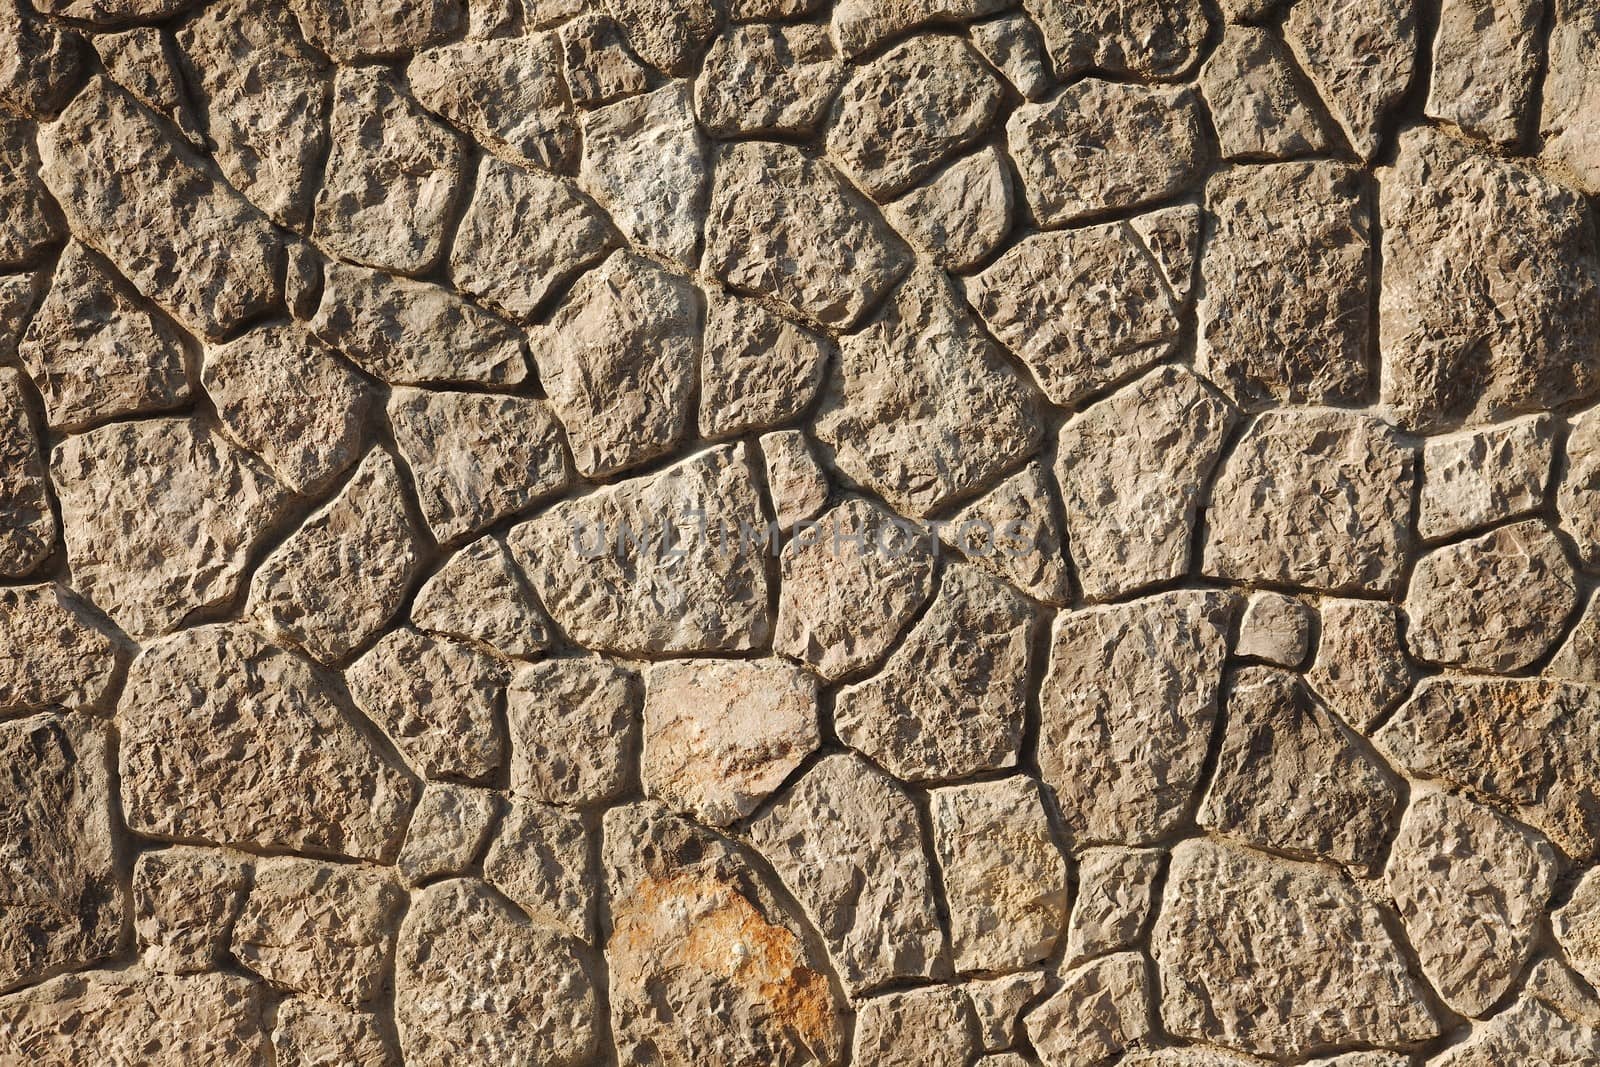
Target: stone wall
column 751, row 533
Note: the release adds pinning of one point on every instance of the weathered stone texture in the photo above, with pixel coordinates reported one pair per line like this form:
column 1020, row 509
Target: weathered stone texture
column 1116, row 896
column 185, row 900
column 931, row 1027
column 1259, row 104
column 757, row 369
column 1485, row 66
column 768, row 78
column 574, row 730
column 1145, row 39
column 962, row 214
column 506, row 92
column 478, row 596
column 1360, row 54
column 646, row 160
column 1569, row 128
column 1101, row 1010
column 1479, row 477
column 540, row 859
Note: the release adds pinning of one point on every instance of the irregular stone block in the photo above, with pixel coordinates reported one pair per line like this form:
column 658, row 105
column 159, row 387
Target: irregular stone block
column 475, row 981
column 962, row 214
column 756, row 368
column 720, row 736
column 477, row 457
column 921, row 406
column 43, row 65
column 1099, row 146
column 680, row 897
column 1578, row 498
column 646, row 160
column 1101, row 1009
column 1323, row 968
column 847, row 843
column 670, row 35
column 1005, row 881
column 952, row 699
column 1274, row 628
column 478, row 596
column 1361, row 668
column 1568, row 129
column 768, row 78
column 859, row 26
column 160, row 517
column 540, row 860
column 29, row 220
column 1116, row 891
column 506, row 92
column 795, row 480
column 1577, row 926
column 156, row 211
column 998, row 1004
column 304, row 778
column 447, row 831
column 1471, row 887
column 185, row 900
column 53, row 652
column 1012, row 531
column 144, row 61
column 1360, row 54
column 1486, row 66
column 1481, row 477
column 1259, row 105
column 784, row 225
column 309, row 1033
column 350, row 31
column 1013, row 45
column 599, row 66
column 1320, row 499
column 1126, row 712
column 1145, row 39
column 574, row 730
column 1489, row 275
column 27, row 525
column 916, row 1028
column 1527, row 1032
column 659, row 564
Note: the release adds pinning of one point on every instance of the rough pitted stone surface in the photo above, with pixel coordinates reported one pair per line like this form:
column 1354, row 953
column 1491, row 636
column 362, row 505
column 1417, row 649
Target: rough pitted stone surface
column 1291, row 779
column 42, row 64
column 648, row 163
column 1013, row 45
column 1278, row 957
column 768, row 78
column 1489, row 272
column 670, row 35
column 540, row 859
column 159, row 517
column 921, row 406
column 1578, row 659
column 1571, row 93
column 1577, row 927
column 478, row 596
column 797, row 483
column 1360, row 55
column 847, row 843
column 337, row 580
column 353, row 30
column 31, row 222
column 476, row 981
column 998, row 1004
column 447, row 831
column 599, row 66
column 1320, row 499
column 1132, row 469
column 952, row 699
column 27, row 524
column 1101, row 146
column 618, row 362
column 1481, row 477
column 782, row 224
column 1101, row 1009
column 477, row 457
column 1012, row 531
column 185, row 900
column 1116, row 894
column 1275, row 628
column 1527, row 743
column 507, row 93
column 1528, row 1032
column 1127, row 709
column 1360, row 667
column 1485, row 66
column 1145, row 39
column 1260, row 106
column 313, row 1033
column 144, row 61
column 1086, row 308
column 861, row 25
column 1004, row 878
column 1470, row 886
column 302, row 775
column 574, row 730
column 1579, row 492
column 918, row 1028
column 53, row 652
column 1286, row 311
column 962, row 214
column 757, row 369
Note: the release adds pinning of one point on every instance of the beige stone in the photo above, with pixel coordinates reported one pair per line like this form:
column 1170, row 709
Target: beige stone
column 505, row 92
column 1013, row 45
column 1360, row 667
column 350, row 31
column 1480, row 477
column 1577, row 926
column 311, row 1033
column 575, row 727
column 1578, row 659
column 1578, row 497
column 1144, row 39
column 1275, row 628
column 599, row 66
column 768, row 78
column 447, row 831
column 44, row 64
column 1013, row 532
column 757, row 369
column 917, row 1028
column 144, row 61
column 478, row 596
column 1101, row 1010
column 961, row 215
column 1116, row 897
column 540, row 859
column 1360, row 54
column 1486, row 66
column 185, row 901
column 1259, row 104
column 1527, row 1032
column 31, row 221
column 54, row 653
column 670, row 35
column 859, row 26
column 796, row 482
column 27, row 524
column 648, row 163
column 998, row 1004
column 1570, row 132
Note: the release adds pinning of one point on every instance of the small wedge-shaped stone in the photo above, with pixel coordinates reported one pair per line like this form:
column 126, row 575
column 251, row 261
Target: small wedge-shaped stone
column 849, row 586
column 1013, row 45
column 1258, row 102
column 599, row 66
column 1525, row 742
column 1290, row 778
column 1013, row 532
column 904, row 112
column 930, row 1027
column 1086, row 308
column 574, row 730
column 1481, row 477
column 720, row 736
column 58, row 864
column 921, row 406
column 1361, row 668
column 1147, row 39
column 961, row 215
column 1317, row 498
column 263, row 97
column 670, row 35
column 757, row 369
column 29, row 222
column 95, row 353
column 391, row 179
column 336, row 581
column 1004, row 878
column 768, row 78
column 861, row 25
column 309, row 1032
column 618, row 361
column 44, row 64
column 648, row 163
column 408, row 332
column 447, row 831
column 1100, row 146
column 1530, row 1032
column 1322, row 967
column 1577, row 927
column 541, row 860
column 680, row 996
column 437, row 700
column 285, row 396
column 27, row 525
column 53, row 653
column 1471, row 887
column 1360, row 55
column 144, row 61
column 158, row 213
column 477, row 457
column 1116, row 895
column 846, row 841
column 783, row 224
column 1126, row 712
column 952, row 700
column 1486, row 66
column 302, row 777
column 1579, row 657
column 478, row 596
column 1493, row 604
column 1275, row 628
column 505, row 92
column 654, row 565
column 998, row 1004
column 1132, row 470
column 1286, row 314
column 350, row 31
column 524, row 236
column 1569, row 128
column 1101, row 1009
column 160, row 517
column 1578, row 498
column 319, row 928
column 1489, row 281
column 20, row 295
column 185, row 900
column 476, row 982
column 796, row 482
column 135, row 1019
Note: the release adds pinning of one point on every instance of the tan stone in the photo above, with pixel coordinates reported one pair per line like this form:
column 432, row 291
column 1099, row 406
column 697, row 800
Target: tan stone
column 1274, row 628
column 1145, row 39
column 757, row 369
column 796, row 482
column 1578, row 659
column 310, row 1033
column 1527, row 1032
column 43, row 64
column 961, row 215
column 859, row 26
column 53, row 651
column 27, row 524
column 1013, row 45
column 350, row 31
column 540, row 859
column 599, row 66
column 30, row 223
column 1570, row 131
column 768, row 78
column 1360, row 54
column 1012, row 531
column 1116, row 897
column 185, row 900
column 144, row 61
column 506, row 92
column 1486, row 66
column 1360, row 667
column 574, row 730
column 1578, row 498
column 998, row 1004
column 648, row 163
column 670, row 35
column 917, row 1028
column 1480, row 477
column 478, row 596
column 1259, row 104
column 1577, row 926
column 447, row 831
column 1101, row 1010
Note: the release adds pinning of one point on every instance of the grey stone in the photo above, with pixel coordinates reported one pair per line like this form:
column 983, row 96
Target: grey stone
column 506, row 92
column 1360, row 54
column 1486, row 66
column 1116, row 897
column 1145, row 39
column 185, row 900
column 796, row 482
column 53, row 651
column 916, row 1028
column 350, row 31
column 1012, row 531
column 648, row 163
column 1259, row 103
column 1480, row 477
column 768, row 78
column 757, row 369
column 1275, row 628
column 447, row 831
column 478, row 596
column 575, row 727
column 599, row 66
column 1571, row 136
column 1360, row 667
column 961, row 215
column 1101, row 1010
column 540, row 860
